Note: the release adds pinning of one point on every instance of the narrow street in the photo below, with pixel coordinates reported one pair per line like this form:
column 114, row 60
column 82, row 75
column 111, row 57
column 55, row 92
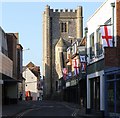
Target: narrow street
column 42, row 109
column 60, row 59
column 47, row 108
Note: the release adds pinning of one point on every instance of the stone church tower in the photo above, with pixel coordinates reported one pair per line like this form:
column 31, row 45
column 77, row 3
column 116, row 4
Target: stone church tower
column 60, row 28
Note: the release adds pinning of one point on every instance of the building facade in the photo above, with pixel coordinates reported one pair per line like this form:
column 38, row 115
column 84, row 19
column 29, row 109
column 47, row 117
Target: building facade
column 9, row 66
column 75, row 78
column 12, row 41
column 31, row 73
column 57, row 24
column 103, row 61
column 8, row 70
column 20, row 79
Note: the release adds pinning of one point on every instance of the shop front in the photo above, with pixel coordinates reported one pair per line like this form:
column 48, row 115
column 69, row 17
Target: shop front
column 112, row 94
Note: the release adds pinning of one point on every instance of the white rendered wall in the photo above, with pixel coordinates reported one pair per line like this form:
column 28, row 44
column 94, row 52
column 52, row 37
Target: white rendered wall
column 103, row 14
column 30, row 83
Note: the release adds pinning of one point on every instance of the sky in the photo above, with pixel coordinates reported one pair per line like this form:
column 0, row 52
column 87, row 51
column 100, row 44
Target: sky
column 26, row 19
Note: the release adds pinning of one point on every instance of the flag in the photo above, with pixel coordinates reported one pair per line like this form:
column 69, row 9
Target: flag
column 69, row 58
column 106, row 36
column 76, row 66
column 82, row 59
column 64, row 73
column 83, row 67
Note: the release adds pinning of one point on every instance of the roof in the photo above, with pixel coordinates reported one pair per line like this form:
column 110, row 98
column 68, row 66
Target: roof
column 33, row 68
column 61, row 43
column 83, row 42
column 30, row 64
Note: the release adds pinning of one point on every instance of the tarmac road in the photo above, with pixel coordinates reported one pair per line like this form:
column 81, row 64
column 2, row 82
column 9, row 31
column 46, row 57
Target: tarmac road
column 46, row 109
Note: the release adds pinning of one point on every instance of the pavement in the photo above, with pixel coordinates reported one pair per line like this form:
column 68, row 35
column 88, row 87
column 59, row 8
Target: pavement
column 14, row 109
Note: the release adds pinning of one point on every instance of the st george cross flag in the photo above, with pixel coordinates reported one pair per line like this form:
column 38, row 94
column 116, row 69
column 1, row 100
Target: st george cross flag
column 76, row 66
column 83, row 67
column 64, row 73
column 106, row 36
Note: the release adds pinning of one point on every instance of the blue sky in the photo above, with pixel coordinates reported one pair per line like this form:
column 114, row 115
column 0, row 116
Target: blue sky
column 26, row 19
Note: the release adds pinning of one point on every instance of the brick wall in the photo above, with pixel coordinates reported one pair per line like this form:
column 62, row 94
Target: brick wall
column 118, row 29
column 112, row 55
column 111, row 59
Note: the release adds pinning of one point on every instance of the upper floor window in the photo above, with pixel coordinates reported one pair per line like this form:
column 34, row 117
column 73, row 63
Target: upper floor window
column 68, row 52
column 64, row 27
column 74, row 48
column 99, row 49
column 92, row 46
column 3, row 44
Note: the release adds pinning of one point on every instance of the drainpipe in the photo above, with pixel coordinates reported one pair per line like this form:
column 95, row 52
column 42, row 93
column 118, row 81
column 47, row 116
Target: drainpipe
column 113, row 6
column 86, row 31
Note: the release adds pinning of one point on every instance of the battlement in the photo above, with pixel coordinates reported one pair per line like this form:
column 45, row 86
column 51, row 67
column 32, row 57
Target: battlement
column 64, row 10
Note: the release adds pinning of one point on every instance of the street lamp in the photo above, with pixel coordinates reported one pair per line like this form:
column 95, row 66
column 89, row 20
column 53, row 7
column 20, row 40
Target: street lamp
column 23, row 83
column 25, row 50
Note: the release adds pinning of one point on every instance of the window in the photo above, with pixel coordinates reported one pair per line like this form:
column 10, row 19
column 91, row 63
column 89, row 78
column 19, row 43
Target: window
column 63, row 27
column 4, row 48
column 99, row 49
column 74, row 48
column 56, row 85
column 92, row 46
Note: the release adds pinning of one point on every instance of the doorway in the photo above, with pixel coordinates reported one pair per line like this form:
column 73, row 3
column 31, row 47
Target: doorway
column 95, row 93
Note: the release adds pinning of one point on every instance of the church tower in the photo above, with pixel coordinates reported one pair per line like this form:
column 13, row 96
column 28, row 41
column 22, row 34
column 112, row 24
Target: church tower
column 63, row 24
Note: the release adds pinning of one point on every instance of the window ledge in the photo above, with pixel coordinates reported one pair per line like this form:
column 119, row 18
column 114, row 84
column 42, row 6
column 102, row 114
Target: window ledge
column 95, row 59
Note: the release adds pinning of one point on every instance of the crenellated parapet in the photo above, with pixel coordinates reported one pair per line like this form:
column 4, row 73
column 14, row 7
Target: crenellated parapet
column 64, row 10
column 79, row 9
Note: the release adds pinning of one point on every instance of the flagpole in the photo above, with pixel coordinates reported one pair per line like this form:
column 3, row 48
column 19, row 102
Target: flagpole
column 105, row 25
column 113, row 6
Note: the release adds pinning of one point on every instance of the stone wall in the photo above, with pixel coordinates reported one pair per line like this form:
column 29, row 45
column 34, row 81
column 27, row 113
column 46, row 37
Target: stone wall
column 52, row 20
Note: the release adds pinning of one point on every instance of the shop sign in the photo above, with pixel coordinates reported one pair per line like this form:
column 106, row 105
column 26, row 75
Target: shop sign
column 67, row 84
column 73, row 82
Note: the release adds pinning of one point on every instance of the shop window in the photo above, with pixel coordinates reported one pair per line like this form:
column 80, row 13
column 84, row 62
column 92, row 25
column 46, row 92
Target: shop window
column 110, row 97
column 113, row 93
column 118, row 96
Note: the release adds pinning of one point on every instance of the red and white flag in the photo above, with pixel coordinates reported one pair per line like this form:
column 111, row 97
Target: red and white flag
column 106, row 36
column 76, row 66
column 65, row 73
column 83, row 67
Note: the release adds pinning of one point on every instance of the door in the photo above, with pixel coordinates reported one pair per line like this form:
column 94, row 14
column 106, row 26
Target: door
column 95, row 93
